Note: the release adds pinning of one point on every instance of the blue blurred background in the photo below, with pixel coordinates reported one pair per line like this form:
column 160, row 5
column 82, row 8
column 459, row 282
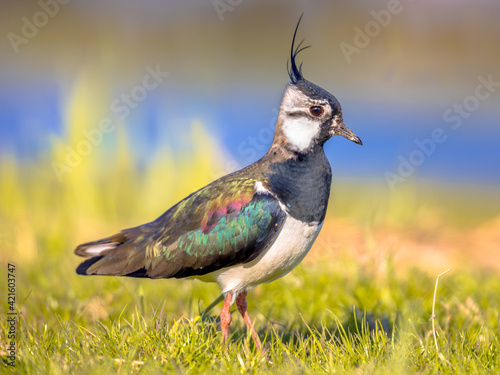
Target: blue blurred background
column 227, row 69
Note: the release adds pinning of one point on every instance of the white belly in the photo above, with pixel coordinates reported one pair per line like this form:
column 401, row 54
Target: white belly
column 292, row 245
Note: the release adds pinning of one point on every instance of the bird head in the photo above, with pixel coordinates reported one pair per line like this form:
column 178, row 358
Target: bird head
column 309, row 115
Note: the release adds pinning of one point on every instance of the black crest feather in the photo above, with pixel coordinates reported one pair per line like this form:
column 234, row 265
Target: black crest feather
column 294, row 72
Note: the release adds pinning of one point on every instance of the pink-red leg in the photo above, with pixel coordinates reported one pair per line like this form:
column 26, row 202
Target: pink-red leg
column 241, row 302
column 225, row 317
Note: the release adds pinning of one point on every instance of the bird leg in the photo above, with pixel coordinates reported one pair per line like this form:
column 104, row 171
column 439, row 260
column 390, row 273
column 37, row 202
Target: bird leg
column 225, row 317
column 241, row 302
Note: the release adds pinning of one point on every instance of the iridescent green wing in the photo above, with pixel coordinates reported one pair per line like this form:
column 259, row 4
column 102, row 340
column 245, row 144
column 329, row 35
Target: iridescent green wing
column 221, row 225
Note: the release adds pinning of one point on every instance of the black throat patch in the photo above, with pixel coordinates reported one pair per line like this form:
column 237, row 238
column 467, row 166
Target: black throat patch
column 303, row 185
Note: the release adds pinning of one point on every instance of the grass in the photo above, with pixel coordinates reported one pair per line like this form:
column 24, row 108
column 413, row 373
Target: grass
column 361, row 302
column 324, row 317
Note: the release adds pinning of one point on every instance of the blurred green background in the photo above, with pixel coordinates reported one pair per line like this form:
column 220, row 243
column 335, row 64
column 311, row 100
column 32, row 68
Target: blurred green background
column 67, row 68
column 64, row 181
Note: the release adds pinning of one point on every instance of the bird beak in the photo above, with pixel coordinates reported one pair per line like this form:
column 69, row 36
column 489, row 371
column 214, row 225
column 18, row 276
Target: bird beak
column 344, row 131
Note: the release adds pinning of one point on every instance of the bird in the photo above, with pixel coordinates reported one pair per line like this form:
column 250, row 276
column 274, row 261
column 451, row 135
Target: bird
column 248, row 227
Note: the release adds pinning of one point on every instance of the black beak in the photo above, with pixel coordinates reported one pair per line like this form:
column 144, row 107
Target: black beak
column 344, row 131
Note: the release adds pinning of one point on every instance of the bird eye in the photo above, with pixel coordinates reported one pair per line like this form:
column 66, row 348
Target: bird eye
column 316, row 110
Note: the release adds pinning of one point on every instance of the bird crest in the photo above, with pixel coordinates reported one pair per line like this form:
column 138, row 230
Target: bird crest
column 294, row 72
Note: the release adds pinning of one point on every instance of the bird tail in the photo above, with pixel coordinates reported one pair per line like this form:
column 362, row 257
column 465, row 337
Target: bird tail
column 114, row 256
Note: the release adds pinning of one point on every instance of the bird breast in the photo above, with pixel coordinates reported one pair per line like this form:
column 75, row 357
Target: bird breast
column 291, row 246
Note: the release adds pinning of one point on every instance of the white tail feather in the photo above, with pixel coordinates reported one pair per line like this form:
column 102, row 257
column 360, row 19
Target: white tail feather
column 98, row 249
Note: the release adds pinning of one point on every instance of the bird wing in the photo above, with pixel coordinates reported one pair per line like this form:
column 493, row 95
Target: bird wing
column 220, row 225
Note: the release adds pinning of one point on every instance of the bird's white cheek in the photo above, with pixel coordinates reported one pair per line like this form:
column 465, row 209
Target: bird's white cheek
column 300, row 133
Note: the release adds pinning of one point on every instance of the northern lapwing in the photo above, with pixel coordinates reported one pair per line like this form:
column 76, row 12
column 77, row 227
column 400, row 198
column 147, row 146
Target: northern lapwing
column 249, row 227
